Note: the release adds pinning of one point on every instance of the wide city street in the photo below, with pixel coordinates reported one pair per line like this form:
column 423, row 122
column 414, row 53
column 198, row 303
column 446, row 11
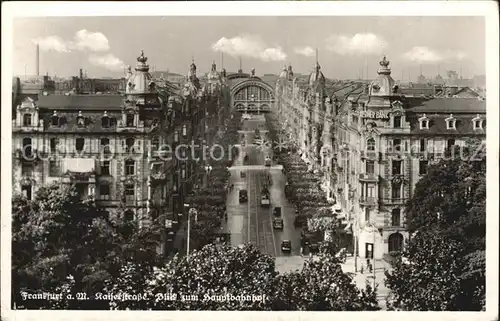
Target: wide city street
column 249, row 221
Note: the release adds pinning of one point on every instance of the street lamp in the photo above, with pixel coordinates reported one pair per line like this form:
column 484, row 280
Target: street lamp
column 190, row 212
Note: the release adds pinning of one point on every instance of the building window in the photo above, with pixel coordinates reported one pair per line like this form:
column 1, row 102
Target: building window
column 105, row 168
column 129, row 192
column 129, row 167
column 105, row 122
column 370, row 145
column 422, row 145
column 104, row 191
column 367, row 214
column 26, row 190
column 396, row 191
column 27, row 120
column 27, row 169
column 370, row 167
column 80, row 144
column 396, row 167
column 396, row 217
column 155, row 143
column 395, row 242
column 422, row 167
column 54, row 168
column 450, row 122
column 55, row 120
column 105, row 145
column 53, row 144
column 396, row 144
column 450, row 143
column 27, row 148
column 397, row 121
column 130, row 120
column 129, row 144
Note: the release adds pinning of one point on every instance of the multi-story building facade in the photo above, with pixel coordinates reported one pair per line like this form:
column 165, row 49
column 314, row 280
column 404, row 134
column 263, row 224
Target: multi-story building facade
column 119, row 147
column 306, row 113
column 384, row 143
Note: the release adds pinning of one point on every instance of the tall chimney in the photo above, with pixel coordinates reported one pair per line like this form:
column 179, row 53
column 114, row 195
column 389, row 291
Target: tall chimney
column 37, row 60
column 81, row 73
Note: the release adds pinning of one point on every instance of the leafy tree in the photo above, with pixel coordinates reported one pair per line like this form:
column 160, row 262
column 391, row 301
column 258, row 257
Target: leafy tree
column 452, row 198
column 322, row 286
column 62, row 243
column 428, row 276
column 448, row 214
column 214, row 270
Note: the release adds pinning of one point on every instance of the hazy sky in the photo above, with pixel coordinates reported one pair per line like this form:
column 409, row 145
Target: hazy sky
column 104, row 45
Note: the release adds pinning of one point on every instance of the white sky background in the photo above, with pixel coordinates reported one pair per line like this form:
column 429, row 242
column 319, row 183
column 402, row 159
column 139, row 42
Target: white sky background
column 104, row 45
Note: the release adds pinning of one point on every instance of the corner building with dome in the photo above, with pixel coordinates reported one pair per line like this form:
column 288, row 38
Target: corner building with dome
column 371, row 143
column 384, row 143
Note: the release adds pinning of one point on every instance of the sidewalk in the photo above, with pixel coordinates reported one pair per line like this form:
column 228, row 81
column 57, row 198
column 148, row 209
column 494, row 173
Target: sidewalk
column 361, row 278
column 181, row 238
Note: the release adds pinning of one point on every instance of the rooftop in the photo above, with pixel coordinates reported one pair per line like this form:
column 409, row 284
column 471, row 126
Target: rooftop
column 80, row 102
column 448, row 105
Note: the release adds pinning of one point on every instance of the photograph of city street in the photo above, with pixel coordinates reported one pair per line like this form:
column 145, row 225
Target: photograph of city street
column 249, row 163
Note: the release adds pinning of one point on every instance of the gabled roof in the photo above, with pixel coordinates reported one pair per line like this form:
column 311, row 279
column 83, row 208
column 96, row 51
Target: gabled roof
column 80, row 102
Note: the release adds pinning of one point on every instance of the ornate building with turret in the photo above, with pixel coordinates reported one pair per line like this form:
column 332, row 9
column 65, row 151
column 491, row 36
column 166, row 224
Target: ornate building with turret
column 305, row 110
column 384, row 141
column 120, row 148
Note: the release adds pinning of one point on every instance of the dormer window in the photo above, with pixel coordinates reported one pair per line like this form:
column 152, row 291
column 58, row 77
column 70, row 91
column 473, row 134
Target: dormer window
column 27, row 120
column 451, row 122
column 397, row 122
column 375, row 88
column 55, row 119
column 477, row 122
column 80, row 120
column 105, row 121
column 424, row 122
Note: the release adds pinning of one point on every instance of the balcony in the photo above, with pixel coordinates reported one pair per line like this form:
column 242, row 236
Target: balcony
column 368, row 177
column 395, row 200
column 369, row 155
column 368, row 201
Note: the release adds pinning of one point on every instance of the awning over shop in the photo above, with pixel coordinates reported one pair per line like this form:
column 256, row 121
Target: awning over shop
column 79, row 165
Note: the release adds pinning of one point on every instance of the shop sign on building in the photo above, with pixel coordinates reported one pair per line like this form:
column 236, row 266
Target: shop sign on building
column 381, row 114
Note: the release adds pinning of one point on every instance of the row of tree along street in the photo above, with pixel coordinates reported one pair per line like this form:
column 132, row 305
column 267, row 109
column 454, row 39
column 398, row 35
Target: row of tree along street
column 63, row 245
column 314, row 212
column 210, row 201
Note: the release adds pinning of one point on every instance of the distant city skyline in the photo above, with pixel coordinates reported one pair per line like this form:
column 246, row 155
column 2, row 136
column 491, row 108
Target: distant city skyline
column 348, row 47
